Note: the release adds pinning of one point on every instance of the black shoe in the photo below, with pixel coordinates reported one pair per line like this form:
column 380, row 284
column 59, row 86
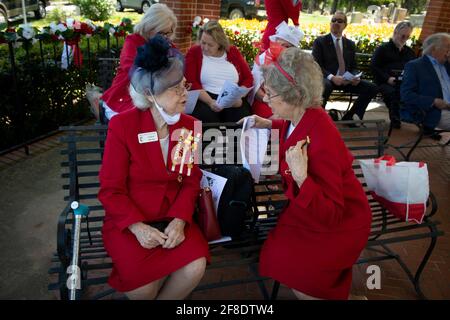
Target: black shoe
column 431, row 133
column 396, row 124
column 347, row 117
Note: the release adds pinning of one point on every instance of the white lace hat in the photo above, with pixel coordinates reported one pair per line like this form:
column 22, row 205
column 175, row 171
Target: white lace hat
column 291, row 34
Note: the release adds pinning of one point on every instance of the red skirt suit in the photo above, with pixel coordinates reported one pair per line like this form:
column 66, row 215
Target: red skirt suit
column 326, row 223
column 136, row 185
column 117, row 96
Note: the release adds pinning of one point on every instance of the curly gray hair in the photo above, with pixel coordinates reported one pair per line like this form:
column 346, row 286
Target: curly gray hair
column 306, row 91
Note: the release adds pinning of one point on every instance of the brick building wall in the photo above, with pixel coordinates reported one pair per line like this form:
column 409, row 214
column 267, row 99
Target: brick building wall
column 185, row 12
column 437, row 18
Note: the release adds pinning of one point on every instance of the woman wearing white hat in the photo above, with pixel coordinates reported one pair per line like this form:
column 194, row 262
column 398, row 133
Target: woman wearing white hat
column 286, row 36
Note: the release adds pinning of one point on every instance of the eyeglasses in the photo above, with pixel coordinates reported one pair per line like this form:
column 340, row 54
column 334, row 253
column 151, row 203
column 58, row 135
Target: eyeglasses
column 270, row 97
column 180, row 89
column 334, row 20
column 166, row 34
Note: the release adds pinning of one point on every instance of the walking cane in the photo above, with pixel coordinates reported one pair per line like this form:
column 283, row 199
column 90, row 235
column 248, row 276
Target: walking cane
column 74, row 281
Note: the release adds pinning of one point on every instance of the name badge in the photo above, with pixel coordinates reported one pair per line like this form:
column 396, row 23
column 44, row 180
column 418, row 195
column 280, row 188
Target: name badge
column 147, row 137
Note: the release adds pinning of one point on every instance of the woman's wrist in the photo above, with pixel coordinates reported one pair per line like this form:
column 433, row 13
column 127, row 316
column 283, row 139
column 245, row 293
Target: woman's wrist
column 300, row 180
column 135, row 227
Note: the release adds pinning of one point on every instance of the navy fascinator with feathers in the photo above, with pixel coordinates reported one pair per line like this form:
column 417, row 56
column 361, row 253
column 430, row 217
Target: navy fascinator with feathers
column 154, row 54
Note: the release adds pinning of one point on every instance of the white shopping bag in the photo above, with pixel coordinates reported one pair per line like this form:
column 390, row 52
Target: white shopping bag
column 401, row 187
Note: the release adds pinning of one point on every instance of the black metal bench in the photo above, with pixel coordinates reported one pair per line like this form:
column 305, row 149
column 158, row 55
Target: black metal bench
column 83, row 158
column 411, row 145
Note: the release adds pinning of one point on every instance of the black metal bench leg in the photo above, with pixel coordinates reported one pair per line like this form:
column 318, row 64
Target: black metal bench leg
column 276, row 287
column 422, row 265
column 262, row 287
column 415, row 144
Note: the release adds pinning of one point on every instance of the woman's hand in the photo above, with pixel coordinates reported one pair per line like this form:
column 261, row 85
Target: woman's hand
column 214, row 107
column 175, row 233
column 297, row 160
column 257, row 122
column 148, row 236
column 260, row 93
column 237, row 103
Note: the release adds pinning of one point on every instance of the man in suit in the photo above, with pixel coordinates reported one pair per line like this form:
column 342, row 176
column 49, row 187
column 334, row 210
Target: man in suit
column 387, row 63
column 425, row 90
column 336, row 55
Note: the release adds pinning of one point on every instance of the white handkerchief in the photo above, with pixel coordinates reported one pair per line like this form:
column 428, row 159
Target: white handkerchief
column 349, row 76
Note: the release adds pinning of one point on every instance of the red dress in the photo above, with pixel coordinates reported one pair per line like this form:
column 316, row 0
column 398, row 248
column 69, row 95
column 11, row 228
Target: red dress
column 135, row 186
column 277, row 12
column 117, row 96
column 325, row 226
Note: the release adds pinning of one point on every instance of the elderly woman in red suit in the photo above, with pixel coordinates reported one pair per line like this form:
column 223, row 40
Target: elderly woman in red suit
column 159, row 19
column 325, row 226
column 277, row 12
column 208, row 66
column 156, row 248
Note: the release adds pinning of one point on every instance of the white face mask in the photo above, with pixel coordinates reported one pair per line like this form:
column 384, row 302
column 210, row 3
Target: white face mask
column 169, row 119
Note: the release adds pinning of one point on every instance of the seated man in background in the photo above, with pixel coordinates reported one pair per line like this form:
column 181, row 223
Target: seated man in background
column 388, row 62
column 336, row 55
column 425, row 89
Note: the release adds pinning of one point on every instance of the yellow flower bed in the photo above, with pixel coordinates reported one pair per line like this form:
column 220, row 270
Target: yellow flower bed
column 381, row 31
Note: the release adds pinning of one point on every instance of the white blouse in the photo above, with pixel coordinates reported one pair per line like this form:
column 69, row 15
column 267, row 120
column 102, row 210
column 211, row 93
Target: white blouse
column 215, row 71
column 290, row 130
column 164, row 142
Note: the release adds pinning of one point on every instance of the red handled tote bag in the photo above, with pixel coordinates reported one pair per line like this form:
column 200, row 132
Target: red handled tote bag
column 401, row 187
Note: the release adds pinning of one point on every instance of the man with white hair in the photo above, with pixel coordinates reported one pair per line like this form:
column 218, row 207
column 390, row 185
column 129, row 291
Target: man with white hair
column 425, row 90
column 387, row 63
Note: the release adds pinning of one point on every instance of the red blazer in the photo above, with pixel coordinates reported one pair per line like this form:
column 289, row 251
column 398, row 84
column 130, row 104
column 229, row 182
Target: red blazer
column 117, row 96
column 277, row 12
column 194, row 60
column 135, row 184
column 331, row 199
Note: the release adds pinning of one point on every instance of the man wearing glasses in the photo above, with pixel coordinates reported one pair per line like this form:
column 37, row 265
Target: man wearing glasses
column 336, row 55
column 388, row 62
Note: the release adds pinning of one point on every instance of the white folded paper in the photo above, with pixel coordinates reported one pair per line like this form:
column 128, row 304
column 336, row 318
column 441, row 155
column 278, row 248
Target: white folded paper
column 230, row 93
column 215, row 183
column 191, row 101
column 253, row 147
column 349, row 76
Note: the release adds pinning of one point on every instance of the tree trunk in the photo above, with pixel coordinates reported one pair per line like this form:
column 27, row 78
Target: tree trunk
column 324, row 3
column 312, row 6
column 334, row 6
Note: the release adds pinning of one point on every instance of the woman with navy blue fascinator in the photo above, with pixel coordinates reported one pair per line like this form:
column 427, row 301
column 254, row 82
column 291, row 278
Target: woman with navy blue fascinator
column 149, row 183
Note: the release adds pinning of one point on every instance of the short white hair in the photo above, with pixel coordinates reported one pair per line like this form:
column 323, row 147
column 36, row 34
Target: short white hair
column 140, row 100
column 434, row 41
column 158, row 18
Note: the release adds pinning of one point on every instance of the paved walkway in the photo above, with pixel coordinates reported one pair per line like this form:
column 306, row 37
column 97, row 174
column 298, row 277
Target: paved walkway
column 31, row 200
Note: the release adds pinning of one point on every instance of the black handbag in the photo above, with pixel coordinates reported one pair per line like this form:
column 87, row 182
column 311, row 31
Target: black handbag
column 160, row 225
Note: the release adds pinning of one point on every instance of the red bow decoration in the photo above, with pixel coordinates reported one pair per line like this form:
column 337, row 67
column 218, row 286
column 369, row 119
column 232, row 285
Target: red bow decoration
column 271, row 54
